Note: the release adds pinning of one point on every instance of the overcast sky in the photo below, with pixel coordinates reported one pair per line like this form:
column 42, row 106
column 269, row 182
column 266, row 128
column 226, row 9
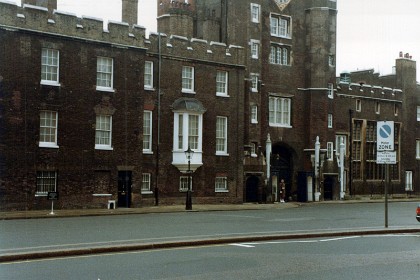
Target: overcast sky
column 371, row 33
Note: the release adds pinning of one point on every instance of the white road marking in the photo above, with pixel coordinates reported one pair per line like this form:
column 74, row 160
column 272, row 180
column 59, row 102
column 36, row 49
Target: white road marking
column 242, row 245
column 339, row 238
column 254, row 244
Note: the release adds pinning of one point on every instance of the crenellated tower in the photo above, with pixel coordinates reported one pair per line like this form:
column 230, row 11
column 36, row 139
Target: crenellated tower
column 176, row 17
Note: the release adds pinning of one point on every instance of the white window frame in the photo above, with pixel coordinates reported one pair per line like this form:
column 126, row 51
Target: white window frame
column 338, row 139
column 148, row 75
column 330, row 121
column 222, row 83
column 100, row 131
column 147, row 132
column 330, row 90
column 188, row 79
column 182, row 131
column 146, row 183
column 254, row 114
column 254, row 150
column 105, row 74
column 254, row 82
column 418, row 149
column 221, row 185
column 48, row 129
column 358, row 105
column 279, row 55
column 183, row 183
column 46, row 181
column 221, row 135
column 255, row 48
column 409, row 181
column 255, row 12
column 280, row 111
column 330, row 151
column 418, row 113
column 50, row 67
column 280, row 26
column 377, row 107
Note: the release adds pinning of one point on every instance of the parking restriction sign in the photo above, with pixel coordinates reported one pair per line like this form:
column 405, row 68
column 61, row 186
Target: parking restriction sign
column 385, row 136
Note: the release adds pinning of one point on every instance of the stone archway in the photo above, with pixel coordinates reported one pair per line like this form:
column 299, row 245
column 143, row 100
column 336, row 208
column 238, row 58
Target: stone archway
column 282, row 166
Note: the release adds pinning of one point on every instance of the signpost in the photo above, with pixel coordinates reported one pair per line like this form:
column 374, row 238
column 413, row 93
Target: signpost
column 385, row 153
column 52, row 196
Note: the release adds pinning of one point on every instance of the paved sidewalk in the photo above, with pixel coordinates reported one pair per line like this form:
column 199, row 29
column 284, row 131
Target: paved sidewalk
column 58, row 213
column 39, row 214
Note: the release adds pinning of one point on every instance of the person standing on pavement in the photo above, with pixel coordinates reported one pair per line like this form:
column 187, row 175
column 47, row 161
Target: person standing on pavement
column 282, row 190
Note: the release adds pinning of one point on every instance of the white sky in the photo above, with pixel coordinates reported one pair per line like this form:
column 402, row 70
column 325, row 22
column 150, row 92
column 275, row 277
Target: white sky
column 371, row 33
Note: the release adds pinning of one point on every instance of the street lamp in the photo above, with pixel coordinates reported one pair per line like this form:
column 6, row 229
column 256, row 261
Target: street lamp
column 188, row 203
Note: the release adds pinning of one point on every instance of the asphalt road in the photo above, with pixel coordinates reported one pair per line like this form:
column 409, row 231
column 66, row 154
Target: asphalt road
column 23, row 236
column 347, row 258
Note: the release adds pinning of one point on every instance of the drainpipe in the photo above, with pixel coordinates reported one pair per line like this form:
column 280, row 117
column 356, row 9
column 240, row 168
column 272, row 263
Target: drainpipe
column 268, row 162
column 342, row 193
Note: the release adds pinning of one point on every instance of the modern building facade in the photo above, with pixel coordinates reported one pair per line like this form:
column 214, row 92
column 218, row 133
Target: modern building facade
column 104, row 117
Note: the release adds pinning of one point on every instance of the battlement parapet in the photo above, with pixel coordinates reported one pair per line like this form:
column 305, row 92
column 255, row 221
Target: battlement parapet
column 369, row 91
column 196, row 49
column 38, row 19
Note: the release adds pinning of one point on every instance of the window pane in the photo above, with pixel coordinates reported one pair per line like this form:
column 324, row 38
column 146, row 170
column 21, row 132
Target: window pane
column 147, row 131
column 180, row 131
column 221, row 125
column 187, row 78
column 103, row 130
column 221, row 80
column 48, row 127
column 148, row 74
column 221, row 184
column 193, row 132
column 46, row 182
column 49, row 65
column 104, row 72
column 145, row 184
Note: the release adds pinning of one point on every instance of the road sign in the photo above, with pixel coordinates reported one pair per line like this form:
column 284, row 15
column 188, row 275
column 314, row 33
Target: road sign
column 52, row 196
column 386, row 157
column 385, row 136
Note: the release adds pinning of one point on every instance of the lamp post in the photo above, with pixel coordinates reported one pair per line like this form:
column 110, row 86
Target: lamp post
column 188, row 203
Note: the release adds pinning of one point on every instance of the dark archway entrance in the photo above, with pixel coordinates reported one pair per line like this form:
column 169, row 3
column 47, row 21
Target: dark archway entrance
column 251, row 194
column 281, row 168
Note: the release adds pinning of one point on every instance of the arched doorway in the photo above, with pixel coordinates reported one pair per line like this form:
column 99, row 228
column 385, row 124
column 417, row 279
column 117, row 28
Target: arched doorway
column 281, row 167
column 251, row 194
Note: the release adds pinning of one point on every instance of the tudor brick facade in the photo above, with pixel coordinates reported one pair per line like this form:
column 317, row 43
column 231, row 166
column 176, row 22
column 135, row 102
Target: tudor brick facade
column 248, row 85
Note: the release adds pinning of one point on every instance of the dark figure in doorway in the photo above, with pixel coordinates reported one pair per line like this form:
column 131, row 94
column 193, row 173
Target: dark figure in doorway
column 282, row 190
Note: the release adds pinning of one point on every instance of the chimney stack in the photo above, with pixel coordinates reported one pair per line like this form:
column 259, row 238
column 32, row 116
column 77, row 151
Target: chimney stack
column 129, row 11
column 51, row 5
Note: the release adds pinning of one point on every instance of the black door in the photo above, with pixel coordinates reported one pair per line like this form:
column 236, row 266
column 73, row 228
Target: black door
column 252, row 189
column 124, row 188
column 328, row 188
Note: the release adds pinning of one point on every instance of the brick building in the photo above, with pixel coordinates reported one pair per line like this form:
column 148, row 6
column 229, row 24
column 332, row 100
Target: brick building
column 80, row 108
column 106, row 115
column 290, row 57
